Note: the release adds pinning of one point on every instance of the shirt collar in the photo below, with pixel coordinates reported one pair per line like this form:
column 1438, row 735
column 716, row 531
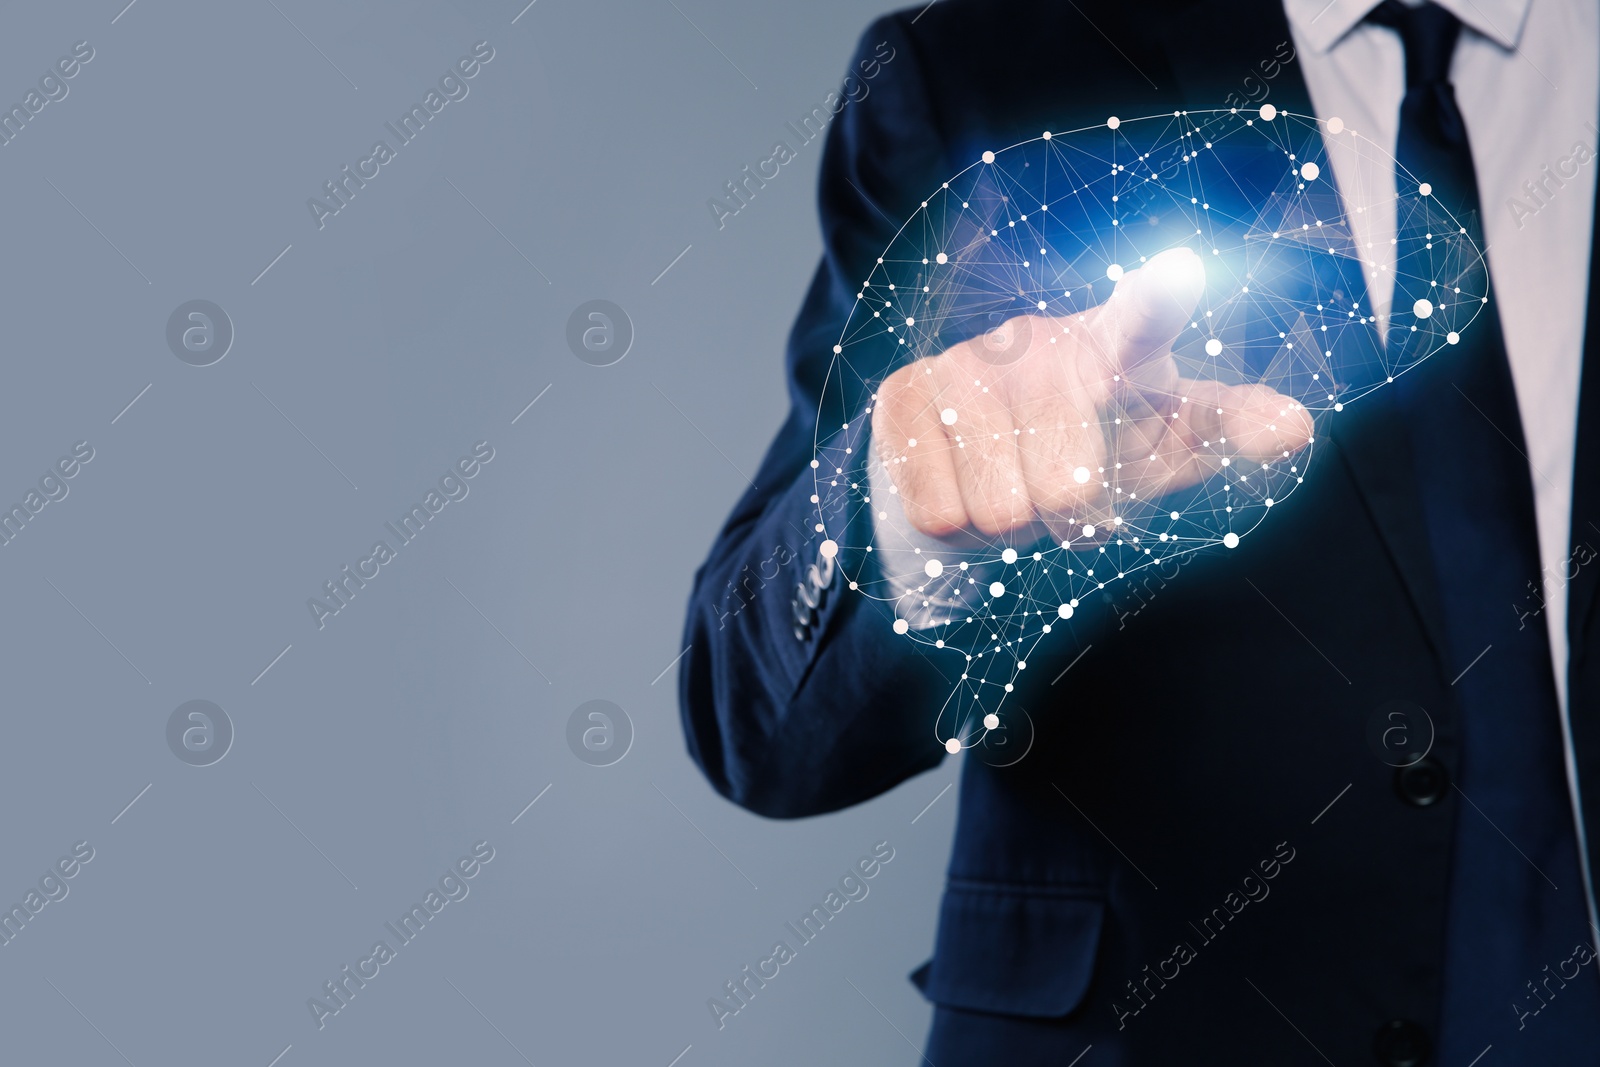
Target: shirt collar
column 1324, row 23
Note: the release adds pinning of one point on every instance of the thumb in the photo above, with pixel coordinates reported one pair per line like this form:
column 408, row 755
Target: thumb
column 1151, row 306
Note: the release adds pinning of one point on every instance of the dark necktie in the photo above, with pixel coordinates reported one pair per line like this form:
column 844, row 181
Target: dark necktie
column 1515, row 905
column 1433, row 144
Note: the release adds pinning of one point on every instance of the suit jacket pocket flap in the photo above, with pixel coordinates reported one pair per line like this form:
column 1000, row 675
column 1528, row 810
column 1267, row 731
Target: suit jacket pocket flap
column 1013, row 950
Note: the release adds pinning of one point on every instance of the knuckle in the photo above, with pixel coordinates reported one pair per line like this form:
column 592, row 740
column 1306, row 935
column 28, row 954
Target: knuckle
column 1061, row 494
column 1083, row 500
column 995, row 516
column 930, row 499
column 939, row 519
column 893, row 406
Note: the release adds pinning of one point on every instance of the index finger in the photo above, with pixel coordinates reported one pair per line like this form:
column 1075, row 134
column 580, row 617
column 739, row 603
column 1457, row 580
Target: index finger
column 1149, row 308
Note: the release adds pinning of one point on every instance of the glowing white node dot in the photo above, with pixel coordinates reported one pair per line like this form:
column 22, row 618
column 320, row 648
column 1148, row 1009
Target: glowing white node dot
column 1425, row 189
column 991, row 721
column 1338, row 407
column 933, row 568
column 988, row 157
column 1453, row 337
column 953, row 745
column 828, row 549
column 837, row 349
column 1088, row 531
column 1336, row 126
column 1309, row 171
column 997, row 588
column 1213, row 347
column 1081, row 475
column 1065, row 611
column 901, row 626
column 1009, row 555
column 948, row 416
column 1113, row 122
column 1114, row 272
column 1268, row 112
column 1231, row 539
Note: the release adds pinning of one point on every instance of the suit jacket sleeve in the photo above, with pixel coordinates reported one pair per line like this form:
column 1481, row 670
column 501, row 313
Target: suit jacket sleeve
column 798, row 698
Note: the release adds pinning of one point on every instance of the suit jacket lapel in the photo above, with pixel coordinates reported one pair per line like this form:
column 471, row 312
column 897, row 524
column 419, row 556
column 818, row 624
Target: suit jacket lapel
column 1586, row 473
column 1371, row 440
column 1583, row 592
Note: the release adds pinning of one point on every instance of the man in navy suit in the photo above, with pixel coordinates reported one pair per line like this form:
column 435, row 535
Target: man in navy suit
column 1205, row 858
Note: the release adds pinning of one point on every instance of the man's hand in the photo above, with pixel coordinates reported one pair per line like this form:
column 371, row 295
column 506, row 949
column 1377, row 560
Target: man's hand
column 1053, row 424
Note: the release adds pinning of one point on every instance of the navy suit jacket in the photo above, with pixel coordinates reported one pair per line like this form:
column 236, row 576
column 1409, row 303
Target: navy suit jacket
column 1208, row 767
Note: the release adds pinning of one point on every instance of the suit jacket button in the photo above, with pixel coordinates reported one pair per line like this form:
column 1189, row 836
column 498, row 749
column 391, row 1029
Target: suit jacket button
column 803, row 613
column 1422, row 783
column 1401, row 1043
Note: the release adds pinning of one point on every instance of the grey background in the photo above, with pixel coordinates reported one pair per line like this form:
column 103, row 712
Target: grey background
column 180, row 562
